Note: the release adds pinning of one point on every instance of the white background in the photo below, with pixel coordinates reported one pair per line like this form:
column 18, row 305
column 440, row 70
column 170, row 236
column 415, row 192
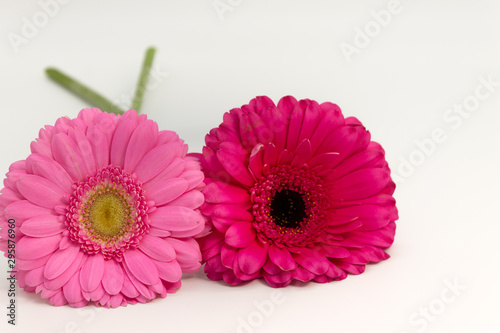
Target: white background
column 401, row 84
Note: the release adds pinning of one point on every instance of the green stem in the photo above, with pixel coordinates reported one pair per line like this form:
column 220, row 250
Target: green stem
column 143, row 79
column 83, row 91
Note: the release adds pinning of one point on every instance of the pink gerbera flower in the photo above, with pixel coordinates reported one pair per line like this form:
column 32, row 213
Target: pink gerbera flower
column 105, row 210
column 294, row 192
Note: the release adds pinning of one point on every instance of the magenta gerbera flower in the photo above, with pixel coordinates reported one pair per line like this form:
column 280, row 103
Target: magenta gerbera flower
column 105, row 209
column 294, row 192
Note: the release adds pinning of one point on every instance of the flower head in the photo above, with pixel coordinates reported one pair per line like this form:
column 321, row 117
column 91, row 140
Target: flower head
column 294, row 192
column 105, row 209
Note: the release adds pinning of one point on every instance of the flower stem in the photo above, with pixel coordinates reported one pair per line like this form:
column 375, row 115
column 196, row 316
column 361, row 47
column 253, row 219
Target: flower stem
column 143, row 79
column 83, row 91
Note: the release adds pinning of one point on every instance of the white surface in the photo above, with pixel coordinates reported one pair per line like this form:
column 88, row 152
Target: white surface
column 428, row 58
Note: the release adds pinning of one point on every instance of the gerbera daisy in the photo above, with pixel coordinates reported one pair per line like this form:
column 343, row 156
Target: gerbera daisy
column 105, row 210
column 294, row 192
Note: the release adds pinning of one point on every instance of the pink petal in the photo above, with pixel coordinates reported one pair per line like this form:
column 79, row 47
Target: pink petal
column 72, row 290
column 54, row 172
column 42, row 226
column 58, row 299
column 175, row 218
column 120, row 140
column 92, row 272
column 34, row 277
column 139, row 285
column 128, row 288
column 32, row 264
column 218, row 192
column 100, row 143
column 85, row 148
column 62, row 279
column 40, row 191
column 67, row 154
column 60, row 261
column 169, row 271
column 282, row 258
column 253, row 257
column 191, row 199
column 141, row 266
column 112, row 279
column 156, row 160
column 187, row 251
column 157, row 248
column 240, row 234
column 142, row 140
column 168, row 191
column 194, row 178
column 294, row 126
column 30, row 248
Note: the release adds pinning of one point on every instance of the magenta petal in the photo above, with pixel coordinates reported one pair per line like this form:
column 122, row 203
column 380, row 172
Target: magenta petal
column 112, row 279
column 92, row 272
column 282, row 258
column 312, row 261
column 235, row 167
column 141, row 266
column 361, row 184
column 217, row 192
column 157, row 248
column 60, row 261
column 42, row 226
column 40, row 191
column 240, row 234
column 253, row 257
column 30, row 248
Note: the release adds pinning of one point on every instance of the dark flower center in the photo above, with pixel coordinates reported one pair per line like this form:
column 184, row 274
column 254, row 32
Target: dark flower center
column 288, row 208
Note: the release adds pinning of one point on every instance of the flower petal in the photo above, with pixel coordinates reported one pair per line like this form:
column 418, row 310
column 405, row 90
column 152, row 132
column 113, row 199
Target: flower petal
column 142, row 140
column 30, row 248
column 92, row 272
column 141, row 266
column 253, row 257
column 112, row 279
column 42, row 226
column 175, row 218
column 40, row 191
column 169, row 271
column 240, row 234
column 157, row 248
column 170, row 189
column 60, row 261
column 282, row 258
column 68, row 155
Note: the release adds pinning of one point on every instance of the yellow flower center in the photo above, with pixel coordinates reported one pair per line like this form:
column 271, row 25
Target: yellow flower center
column 107, row 215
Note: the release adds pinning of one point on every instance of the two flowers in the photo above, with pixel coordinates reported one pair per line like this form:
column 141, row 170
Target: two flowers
column 110, row 210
